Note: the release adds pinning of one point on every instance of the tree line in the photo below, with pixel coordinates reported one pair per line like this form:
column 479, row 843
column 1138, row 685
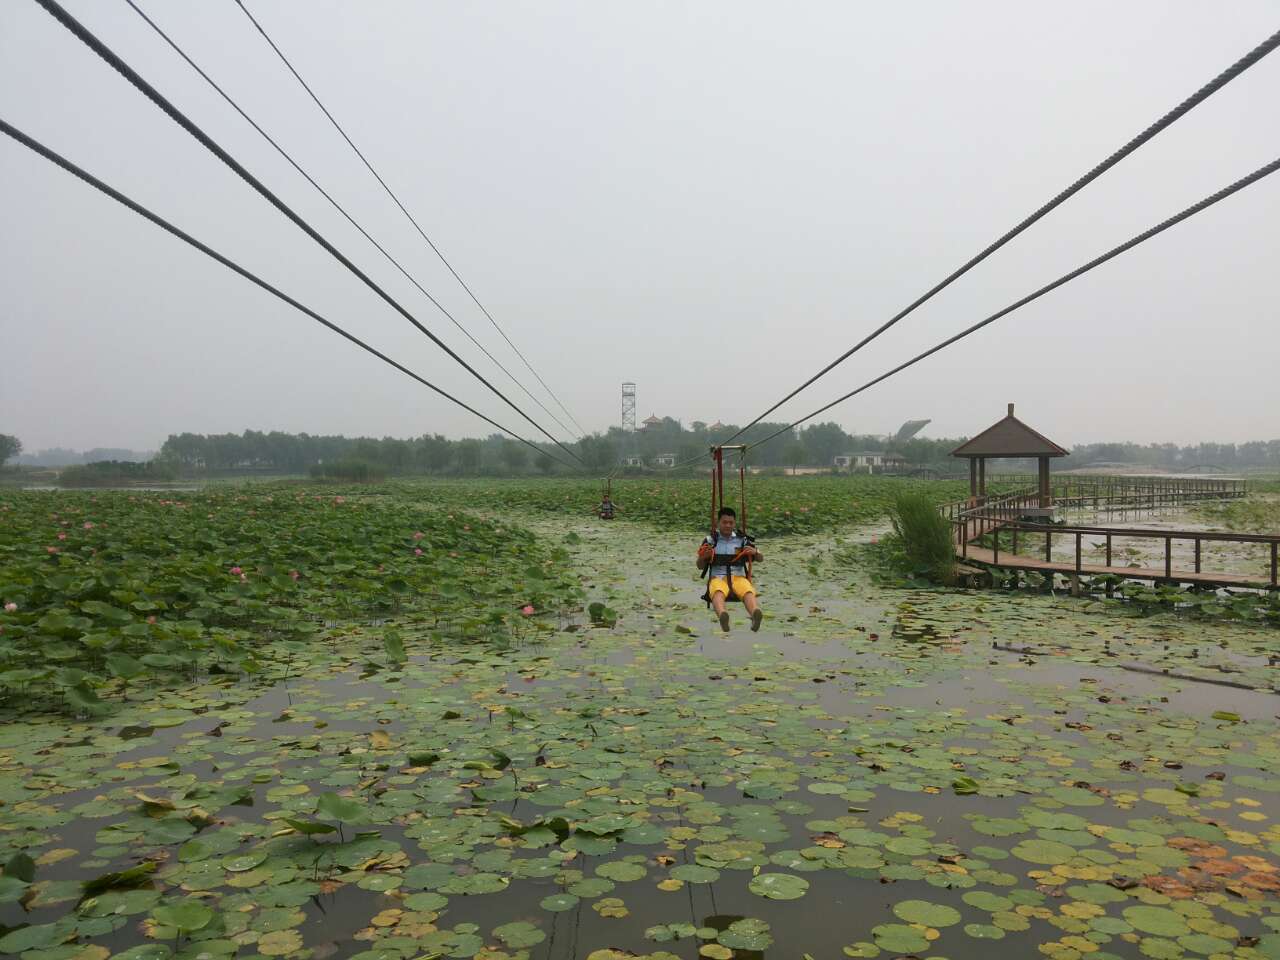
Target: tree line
column 276, row 452
column 816, row 445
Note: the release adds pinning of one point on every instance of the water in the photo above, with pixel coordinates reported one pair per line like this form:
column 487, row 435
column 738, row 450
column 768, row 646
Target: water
column 889, row 694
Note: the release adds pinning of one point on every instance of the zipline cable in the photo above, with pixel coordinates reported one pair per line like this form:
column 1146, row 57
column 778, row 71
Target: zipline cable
column 337, row 206
column 91, row 180
column 1190, row 211
column 1217, row 83
column 102, row 50
column 404, row 210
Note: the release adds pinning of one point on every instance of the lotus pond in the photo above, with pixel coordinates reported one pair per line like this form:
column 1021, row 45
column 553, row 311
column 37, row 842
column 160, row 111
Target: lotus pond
column 284, row 721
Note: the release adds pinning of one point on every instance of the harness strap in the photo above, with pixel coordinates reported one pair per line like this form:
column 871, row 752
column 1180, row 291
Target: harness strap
column 727, row 562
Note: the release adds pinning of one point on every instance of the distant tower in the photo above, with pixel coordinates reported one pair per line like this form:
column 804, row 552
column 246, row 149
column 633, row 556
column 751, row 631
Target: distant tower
column 629, row 408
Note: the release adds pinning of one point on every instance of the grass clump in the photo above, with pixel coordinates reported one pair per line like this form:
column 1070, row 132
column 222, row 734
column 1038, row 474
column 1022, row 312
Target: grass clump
column 924, row 536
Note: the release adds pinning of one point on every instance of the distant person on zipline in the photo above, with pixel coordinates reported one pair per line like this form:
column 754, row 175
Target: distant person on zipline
column 725, row 557
column 606, row 508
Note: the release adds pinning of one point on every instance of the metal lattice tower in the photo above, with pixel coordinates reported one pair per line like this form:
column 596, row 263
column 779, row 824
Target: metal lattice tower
column 629, row 408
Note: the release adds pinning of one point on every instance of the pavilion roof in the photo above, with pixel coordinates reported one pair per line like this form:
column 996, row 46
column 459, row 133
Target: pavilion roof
column 1009, row 437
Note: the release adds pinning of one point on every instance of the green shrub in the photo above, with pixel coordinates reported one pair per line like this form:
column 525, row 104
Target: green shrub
column 117, row 472
column 925, row 535
column 357, row 471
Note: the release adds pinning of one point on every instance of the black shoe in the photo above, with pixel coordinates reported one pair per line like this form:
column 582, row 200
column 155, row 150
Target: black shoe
column 756, row 617
column 724, row 621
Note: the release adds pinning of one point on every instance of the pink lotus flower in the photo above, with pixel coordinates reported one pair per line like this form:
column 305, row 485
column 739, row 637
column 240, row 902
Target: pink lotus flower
column 293, row 574
column 51, row 549
column 88, row 525
column 62, row 536
column 418, row 535
column 236, row 571
column 527, row 610
column 151, row 619
column 11, row 607
column 417, row 551
column 339, row 499
column 243, row 578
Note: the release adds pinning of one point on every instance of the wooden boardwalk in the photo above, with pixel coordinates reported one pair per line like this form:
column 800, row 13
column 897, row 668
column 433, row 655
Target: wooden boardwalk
column 987, row 534
column 1017, row 561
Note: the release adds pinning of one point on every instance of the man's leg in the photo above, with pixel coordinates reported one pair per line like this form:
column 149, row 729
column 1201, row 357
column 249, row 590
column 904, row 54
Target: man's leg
column 753, row 608
column 717, row 604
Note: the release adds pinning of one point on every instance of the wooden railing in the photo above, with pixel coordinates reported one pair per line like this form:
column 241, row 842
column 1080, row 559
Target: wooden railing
column 974, row 519
column 977, row 516
column 1109, row 534
column 1131, row 492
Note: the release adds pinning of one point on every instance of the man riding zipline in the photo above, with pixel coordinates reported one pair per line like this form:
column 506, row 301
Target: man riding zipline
column 725, row 557
column 606, row 508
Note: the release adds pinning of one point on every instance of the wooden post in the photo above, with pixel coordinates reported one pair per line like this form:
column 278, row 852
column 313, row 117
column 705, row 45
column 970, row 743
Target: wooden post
column 1045, row 498
column 1077, row 552
column 1109, row 548
column 1197, row 554
column 973, row 480
column 1273, row 563
column 982, row 478
column 1048, row 547
column 1168, row 557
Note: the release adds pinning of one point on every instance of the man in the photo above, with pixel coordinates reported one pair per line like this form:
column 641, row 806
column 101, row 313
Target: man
column 726, row 554
column 606, row 508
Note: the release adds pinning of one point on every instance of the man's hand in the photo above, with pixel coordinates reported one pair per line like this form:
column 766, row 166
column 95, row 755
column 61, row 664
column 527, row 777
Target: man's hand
column 706, row 552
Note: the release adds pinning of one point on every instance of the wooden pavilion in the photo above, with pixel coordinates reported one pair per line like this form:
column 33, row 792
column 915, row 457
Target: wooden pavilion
column 1009, row 439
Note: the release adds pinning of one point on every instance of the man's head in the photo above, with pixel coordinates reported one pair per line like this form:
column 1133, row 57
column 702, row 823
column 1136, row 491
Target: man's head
column 727, row 521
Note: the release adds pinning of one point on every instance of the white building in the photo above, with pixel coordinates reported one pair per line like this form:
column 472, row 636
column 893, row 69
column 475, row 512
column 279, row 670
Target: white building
column 869, row 460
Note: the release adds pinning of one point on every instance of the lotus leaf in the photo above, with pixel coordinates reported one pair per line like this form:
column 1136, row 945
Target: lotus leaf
column 778, row 886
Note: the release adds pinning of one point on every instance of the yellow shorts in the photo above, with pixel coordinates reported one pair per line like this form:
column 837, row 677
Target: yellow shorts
column 741, row 587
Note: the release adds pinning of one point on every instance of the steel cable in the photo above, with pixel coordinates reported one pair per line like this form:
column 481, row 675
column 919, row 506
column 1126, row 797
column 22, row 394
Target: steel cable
column 422, row 233
column 181, row 234
column 337, row 206
column 1190, row 211
column 113, row 60
column 1217, row 83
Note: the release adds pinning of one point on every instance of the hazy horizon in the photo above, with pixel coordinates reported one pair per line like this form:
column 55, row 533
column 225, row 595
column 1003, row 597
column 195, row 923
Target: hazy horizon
column 711, row 201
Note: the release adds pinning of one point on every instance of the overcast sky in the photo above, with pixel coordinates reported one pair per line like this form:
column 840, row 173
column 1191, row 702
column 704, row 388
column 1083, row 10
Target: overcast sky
column 709, row 199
